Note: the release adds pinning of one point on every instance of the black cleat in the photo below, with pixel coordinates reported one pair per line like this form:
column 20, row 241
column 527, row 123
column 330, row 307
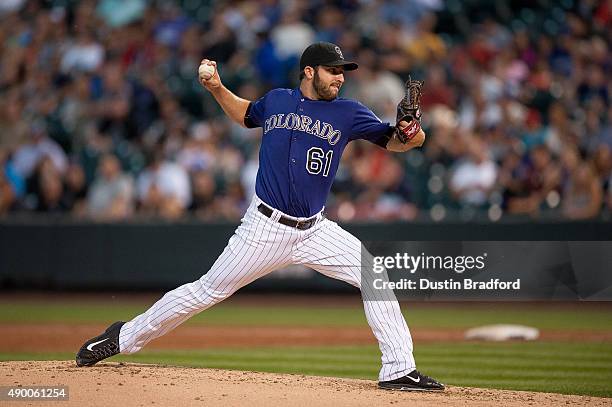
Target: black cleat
column 100, row 347
column 413, row 381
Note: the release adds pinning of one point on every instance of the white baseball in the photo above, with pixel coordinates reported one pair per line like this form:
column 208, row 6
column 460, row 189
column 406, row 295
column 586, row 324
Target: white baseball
column 206, row 71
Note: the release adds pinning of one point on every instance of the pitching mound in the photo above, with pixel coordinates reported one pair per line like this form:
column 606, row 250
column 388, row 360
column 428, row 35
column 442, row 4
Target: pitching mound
column 119, row 384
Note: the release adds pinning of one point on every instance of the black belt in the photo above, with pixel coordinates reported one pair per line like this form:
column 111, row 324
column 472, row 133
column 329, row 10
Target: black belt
column 298, row 224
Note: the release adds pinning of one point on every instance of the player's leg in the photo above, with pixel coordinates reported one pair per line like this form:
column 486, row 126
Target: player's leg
column 258, row 247
column 336, row 253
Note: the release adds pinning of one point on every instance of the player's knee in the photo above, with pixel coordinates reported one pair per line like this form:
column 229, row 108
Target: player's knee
column 209, row 294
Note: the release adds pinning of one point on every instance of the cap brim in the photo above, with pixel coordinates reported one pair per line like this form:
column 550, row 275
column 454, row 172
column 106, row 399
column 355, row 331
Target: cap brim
column 347, row 65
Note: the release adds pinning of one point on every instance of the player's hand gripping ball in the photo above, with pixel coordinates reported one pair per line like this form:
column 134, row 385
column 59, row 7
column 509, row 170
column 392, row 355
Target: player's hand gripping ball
column 206, row 71
column 208, row 75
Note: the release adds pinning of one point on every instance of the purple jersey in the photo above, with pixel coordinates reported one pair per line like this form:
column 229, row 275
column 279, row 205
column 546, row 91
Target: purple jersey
column 302, row 143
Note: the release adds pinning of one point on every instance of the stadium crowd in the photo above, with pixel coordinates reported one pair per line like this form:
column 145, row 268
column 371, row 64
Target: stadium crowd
column 101, row 114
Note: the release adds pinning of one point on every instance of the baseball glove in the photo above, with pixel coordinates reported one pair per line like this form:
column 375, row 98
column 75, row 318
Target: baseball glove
column 409, row 110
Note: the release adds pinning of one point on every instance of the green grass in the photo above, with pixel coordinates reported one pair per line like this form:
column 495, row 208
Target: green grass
column 561, row 367
column 568, row 368
column 450, row 316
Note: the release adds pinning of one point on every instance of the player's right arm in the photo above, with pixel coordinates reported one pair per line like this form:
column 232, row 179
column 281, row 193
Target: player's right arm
column 234, row 106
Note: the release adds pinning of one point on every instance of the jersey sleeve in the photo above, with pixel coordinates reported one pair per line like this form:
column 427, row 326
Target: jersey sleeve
column 255, row 113
column 367, row 126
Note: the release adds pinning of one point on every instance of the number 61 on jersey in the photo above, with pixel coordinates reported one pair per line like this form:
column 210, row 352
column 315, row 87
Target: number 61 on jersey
column 317, row 160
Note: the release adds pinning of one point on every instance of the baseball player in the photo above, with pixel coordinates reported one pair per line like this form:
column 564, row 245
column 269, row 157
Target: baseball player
column 305, row 131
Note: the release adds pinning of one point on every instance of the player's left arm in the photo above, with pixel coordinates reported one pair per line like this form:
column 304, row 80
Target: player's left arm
column 394, row 144
column 367, row 126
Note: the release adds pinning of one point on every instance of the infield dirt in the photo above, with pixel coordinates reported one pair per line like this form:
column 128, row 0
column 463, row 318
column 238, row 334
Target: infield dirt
column 64, row 337
column 121, row 384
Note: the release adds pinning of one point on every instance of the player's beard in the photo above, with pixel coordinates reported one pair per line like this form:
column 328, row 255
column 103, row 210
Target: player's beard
column 324, row 92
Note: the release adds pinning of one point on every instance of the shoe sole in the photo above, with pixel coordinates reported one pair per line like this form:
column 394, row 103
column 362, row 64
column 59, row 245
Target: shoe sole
column 80, row 362
column 401, row 387
column 84, row 364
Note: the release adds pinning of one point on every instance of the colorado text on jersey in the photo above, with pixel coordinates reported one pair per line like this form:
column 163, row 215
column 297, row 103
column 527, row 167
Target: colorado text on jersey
column 303, row 123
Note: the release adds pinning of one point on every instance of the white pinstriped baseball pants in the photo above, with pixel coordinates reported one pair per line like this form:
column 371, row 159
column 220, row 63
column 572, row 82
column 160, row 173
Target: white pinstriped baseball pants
column 259, row 246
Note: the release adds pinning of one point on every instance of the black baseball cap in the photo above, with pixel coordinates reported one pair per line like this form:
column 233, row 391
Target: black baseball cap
column 327, row 54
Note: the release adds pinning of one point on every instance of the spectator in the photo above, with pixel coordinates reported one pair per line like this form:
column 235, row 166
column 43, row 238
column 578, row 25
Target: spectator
column 377, row 88
column 330, row 23
column 221, row 44
column 164, row 188
column 113, row 105
column 271, row 67
column 594, row 85
column 111, row 195
column 75, row 189
column 534, row 134
column 541, row 176
column 602, row 164
column 13, row 127
column 51, row 189
column 570, row 160
column 7, row 189
column 475, row 176
column 84, row 55
column 424, row 45
column 117, row 13
column 28, row 156
column 203, row 195
column 171, row 24
column 583, row 196
column 292, row 35
column 8, row 6
column 11, row 177
column 232, row 203
column 438, row 91
column 198, row 151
